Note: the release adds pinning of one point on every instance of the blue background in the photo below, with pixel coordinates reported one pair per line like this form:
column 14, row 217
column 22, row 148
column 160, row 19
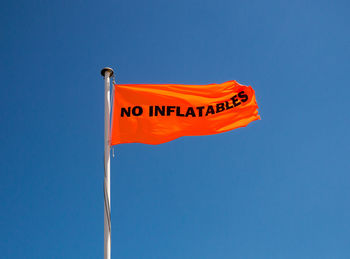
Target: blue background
column 278, row 188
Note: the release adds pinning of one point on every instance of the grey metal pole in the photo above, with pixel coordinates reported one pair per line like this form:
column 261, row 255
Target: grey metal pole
column 107, row 73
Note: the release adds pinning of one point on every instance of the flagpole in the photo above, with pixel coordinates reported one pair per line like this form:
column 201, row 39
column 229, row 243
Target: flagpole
column 107, row 73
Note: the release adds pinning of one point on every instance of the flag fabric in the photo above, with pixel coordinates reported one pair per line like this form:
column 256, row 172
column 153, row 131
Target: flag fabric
column 158, row 113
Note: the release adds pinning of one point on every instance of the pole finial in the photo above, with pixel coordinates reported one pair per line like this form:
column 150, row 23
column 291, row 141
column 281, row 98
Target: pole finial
column 105, row 69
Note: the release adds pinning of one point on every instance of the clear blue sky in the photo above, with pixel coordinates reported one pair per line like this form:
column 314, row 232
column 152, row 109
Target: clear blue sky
column 278, row 188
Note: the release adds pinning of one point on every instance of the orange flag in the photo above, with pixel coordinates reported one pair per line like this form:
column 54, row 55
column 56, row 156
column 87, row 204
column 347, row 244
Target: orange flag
column 154, row 114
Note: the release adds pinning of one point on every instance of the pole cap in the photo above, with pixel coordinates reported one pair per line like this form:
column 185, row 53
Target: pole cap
column 105, row 69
